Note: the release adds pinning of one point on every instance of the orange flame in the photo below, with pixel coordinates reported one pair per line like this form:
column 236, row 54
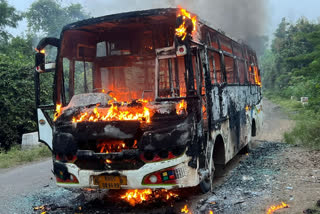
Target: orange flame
column 113, row 146
column 211, row 212
column 43, row 51
column 181, row 31
column 42, row 209
column 274, row 208
column 256, row 76
column 115, row 113
column 39, row 207
column 135, row 146
column 57, row 113
column 185, row 209
column 181, row 107
column 137, row 196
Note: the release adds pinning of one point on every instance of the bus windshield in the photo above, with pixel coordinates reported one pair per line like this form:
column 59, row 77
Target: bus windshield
column 114, row 67
column 120, row 63
column 125, row 83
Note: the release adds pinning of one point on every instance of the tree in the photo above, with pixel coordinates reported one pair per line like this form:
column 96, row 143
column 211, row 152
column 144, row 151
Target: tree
column 267, row 65
column 17, row 115
column 289, row 50
column 291, row 67
column 49, row 17
column 9, row 17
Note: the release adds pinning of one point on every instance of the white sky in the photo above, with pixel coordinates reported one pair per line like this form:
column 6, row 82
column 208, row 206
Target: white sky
column 291, row 9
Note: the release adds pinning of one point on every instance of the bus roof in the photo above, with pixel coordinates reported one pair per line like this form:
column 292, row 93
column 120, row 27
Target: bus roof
column 153, row 14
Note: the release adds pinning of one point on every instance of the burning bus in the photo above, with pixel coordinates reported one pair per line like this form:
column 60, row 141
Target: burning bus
column 146, row 99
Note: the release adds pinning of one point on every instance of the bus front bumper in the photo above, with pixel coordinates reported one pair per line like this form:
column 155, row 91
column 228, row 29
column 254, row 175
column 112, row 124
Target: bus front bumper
column 185, row 176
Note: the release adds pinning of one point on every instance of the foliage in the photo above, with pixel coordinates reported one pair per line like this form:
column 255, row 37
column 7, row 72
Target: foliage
column 17, row 99
column 16, row 156
column 291, row 69
column 305, row 133
column 8, row 18
column 17, row 114
column 49, row 17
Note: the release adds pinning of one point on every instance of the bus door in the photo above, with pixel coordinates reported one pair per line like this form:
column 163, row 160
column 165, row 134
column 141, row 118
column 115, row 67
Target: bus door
column 200, row 86
column 214, row 80
column 176, row 82
column 44, row 91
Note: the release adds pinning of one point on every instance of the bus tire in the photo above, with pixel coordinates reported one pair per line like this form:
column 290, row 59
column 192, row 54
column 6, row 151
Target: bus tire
column 207, row 183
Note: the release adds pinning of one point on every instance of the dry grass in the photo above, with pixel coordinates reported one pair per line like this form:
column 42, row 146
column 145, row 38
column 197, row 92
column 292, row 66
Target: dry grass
column 15, row 156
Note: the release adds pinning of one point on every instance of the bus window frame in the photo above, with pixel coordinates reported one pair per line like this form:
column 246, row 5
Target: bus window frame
column 246, row 54
column 236, row 77
column 196, row 73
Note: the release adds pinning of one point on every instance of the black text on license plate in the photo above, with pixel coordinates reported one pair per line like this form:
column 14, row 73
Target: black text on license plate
column 109, row 182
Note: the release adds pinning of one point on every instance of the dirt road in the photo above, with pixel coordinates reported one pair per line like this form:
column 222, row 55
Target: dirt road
column 273, row 172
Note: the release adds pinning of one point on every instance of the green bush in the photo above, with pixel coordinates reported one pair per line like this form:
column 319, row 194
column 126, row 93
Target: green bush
column 306, row 133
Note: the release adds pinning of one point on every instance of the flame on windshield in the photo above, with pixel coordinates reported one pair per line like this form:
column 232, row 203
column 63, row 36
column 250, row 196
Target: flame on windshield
column 115, row 113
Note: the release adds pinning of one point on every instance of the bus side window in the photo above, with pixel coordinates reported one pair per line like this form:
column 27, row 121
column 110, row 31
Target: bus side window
column 66, row 79
column 237, row 50
column 248, row 64
column 212, row 67
column 214, row 59
column 181, row 76
column 164, row 79
column 229, row 64
column 251, row 61
column 225, row 44
column 171, row 78
column 83, row 77
column 214, row 41
column 242, row 72
column 250, row 73
column 217, row 60
column 198, row 75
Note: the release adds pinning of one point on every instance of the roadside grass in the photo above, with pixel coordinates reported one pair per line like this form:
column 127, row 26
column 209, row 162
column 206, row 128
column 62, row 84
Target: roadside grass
column 16, row 156
column 307, row 129
column 306, row 133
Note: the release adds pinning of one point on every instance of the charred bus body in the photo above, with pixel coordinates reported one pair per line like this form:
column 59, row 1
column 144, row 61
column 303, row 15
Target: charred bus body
column 147, row 99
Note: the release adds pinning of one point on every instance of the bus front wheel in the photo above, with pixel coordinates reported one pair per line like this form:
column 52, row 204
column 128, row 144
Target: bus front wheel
column 206, row 184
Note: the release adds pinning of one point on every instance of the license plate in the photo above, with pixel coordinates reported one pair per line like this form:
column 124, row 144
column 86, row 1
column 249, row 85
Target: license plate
column 109, row 182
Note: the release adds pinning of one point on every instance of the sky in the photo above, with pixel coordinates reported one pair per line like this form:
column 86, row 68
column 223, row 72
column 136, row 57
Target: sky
column 276, row 10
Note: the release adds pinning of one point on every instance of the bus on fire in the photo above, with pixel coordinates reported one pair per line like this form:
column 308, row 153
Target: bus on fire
column 146, row 99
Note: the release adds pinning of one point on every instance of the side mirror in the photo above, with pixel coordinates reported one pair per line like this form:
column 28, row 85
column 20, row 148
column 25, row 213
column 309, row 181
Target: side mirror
column 41, row 65
column 40, row 62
